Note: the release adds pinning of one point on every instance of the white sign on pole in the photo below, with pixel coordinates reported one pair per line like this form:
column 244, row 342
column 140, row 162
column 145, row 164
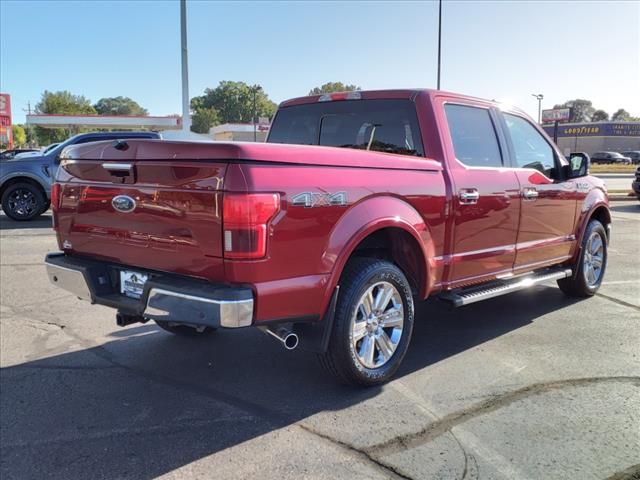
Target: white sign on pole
column 556, row 115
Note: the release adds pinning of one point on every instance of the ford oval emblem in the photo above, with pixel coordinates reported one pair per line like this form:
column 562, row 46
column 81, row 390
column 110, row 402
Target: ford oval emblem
column 123, row 203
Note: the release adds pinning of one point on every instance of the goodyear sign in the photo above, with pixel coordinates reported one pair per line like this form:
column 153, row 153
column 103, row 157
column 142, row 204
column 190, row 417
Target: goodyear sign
column 605, row 129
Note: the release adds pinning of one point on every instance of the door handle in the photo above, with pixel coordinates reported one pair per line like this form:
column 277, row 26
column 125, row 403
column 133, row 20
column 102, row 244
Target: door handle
column 529, row 193
column 469, row 196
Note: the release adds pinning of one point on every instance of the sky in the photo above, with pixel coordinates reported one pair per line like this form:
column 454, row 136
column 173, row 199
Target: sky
column 503, row 50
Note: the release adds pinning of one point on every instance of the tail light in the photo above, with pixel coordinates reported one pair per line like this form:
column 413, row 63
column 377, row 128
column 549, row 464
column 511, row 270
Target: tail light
column 245, row 219
column 55, row 203
column 55, row 196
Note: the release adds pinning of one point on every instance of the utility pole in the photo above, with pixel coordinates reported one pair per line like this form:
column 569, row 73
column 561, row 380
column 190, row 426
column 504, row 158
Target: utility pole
column 29, row 126
column 186, row 115
column 439, row 38
column 539, row 97
column 255, row 89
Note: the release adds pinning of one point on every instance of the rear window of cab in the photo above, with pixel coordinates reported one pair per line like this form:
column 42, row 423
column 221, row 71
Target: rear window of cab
column 389, row 126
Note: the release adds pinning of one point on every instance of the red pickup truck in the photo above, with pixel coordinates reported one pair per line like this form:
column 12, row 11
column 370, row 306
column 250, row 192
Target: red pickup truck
column 358, row 204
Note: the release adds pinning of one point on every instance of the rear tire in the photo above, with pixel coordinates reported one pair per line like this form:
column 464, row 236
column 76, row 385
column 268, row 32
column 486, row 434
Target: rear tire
column 372, row 325
column 591, row 265
column 22, row 201
column 185, row 330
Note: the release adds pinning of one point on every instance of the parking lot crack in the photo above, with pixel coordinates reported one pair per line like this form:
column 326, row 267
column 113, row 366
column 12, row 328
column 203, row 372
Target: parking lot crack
column 631, row 473
column 618, row 301
column 446, row 423
column 360, row 453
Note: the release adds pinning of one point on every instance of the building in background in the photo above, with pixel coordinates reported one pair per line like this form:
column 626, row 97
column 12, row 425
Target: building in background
column 239, row 132
column 6, row 134
column 597, row 136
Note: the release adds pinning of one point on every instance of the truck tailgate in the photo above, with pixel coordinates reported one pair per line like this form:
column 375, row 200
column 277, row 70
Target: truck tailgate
column 154, row 214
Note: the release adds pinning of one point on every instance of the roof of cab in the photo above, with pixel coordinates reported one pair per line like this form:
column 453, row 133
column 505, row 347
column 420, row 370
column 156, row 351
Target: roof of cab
column 406, row 93
column 410, row 93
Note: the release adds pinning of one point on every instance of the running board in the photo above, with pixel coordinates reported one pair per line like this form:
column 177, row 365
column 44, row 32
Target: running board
column 466, row 296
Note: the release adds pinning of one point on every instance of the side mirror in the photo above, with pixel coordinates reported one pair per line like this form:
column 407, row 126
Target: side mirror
column 578, row 165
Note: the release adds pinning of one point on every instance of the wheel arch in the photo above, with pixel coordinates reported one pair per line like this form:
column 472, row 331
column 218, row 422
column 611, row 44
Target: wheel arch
column 383, row 227
column 23, row 178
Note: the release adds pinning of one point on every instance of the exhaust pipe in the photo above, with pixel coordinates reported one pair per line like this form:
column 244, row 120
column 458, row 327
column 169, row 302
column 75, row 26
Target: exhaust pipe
column 285, row 336
column 123, row 319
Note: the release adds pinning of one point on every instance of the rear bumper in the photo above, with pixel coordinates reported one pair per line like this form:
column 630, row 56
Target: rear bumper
column 166, row 297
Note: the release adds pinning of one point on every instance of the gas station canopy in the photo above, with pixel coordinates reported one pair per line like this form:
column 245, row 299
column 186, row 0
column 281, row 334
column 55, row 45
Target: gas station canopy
column 105, row 121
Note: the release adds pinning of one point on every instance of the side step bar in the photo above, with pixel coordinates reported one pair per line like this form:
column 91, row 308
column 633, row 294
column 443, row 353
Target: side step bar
column 478, row 293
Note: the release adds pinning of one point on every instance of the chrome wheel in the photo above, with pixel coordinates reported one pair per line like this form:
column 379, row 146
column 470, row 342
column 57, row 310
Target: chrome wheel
column 22, row 202
column 376, row 327
column 593, row 259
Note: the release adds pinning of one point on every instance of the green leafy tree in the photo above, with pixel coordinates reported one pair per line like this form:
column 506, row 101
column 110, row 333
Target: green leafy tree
column 203, row 119
column 19, row 135
column 119, row 106
column 233, row 102
column 61, row 103
column 600, row 116
column 581, row 110
column 621, row 115
column 332, row 87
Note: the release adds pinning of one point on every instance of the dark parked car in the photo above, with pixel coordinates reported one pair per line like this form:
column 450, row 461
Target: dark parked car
column 635, row 185
column 25, row 180
column 610, row 157
column 634, row 155
column 7, row 154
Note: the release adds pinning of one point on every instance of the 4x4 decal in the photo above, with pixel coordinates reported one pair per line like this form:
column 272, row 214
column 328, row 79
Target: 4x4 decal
column 312, row 199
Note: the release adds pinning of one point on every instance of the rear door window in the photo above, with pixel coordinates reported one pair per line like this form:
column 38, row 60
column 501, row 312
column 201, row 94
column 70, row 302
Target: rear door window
column 380, row 125
column 473, row 135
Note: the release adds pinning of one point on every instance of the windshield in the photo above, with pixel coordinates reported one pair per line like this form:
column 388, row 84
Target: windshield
column 389, row 126
column 50, row 147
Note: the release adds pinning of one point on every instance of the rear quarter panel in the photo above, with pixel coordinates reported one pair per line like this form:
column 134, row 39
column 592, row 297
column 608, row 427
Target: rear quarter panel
column 309, row 246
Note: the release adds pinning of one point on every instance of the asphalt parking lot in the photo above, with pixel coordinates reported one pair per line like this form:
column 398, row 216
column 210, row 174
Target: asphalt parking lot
column 528, row 386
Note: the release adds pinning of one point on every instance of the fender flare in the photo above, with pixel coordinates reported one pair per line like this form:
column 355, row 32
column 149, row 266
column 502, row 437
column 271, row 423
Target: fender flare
column 30, row 176
column 594, row 200
column 367, row 217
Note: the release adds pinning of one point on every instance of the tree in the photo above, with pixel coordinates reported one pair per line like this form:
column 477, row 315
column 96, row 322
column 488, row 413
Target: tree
column 600, row 116
column 19, row 135
column 233, row 102
column 332, row 87
column 203, row 119
column 581, row 110
column 621, row 115
column 119, row 106
column 65, row 103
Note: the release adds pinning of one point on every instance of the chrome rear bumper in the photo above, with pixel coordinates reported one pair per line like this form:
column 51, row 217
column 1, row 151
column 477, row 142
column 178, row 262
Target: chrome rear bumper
column 166, row 297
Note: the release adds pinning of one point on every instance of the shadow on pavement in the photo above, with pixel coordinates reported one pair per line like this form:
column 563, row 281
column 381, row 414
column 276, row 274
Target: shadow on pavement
column 148, row 403
column 43, row 221
column 627, row 207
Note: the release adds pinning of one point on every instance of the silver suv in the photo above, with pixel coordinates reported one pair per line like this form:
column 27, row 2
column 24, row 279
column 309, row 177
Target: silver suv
column 25, row 180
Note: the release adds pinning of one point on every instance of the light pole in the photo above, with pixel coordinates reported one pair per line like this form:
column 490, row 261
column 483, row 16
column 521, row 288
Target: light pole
column 186, row 115
column 439, row 38
column 539, row 97
column 255, row 89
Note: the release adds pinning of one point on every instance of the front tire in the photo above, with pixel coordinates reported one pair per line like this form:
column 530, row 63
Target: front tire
column 23, row 201
column 372, row 325
column 183, row 330
column 591, row 264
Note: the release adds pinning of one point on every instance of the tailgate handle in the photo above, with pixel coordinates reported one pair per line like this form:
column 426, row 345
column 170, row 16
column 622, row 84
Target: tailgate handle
column 118, row 167
column 122, row 171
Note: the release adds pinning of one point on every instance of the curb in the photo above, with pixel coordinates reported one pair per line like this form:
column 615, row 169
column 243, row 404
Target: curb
column 622, row 198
